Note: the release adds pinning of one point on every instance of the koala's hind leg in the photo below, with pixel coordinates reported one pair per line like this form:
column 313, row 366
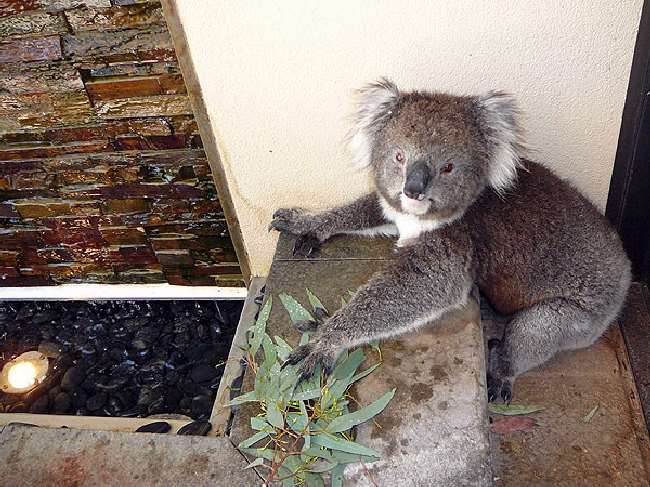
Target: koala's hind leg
column 532, row 337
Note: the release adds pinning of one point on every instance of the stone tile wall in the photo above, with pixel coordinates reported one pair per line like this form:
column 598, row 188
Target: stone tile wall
column 102, row 173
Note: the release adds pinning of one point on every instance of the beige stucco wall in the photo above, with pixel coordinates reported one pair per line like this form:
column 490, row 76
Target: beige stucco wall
column 277, row 79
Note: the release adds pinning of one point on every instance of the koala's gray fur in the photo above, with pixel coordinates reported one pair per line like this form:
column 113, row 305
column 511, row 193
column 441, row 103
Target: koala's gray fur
column 477, row 212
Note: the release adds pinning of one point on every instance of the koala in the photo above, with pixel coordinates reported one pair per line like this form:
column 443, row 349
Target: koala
column 469, row 209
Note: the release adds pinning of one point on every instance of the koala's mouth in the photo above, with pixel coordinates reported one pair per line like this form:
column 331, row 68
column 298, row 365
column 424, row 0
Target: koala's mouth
column 414, row 207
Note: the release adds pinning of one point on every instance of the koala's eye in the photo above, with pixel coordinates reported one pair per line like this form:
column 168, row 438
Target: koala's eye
column 399, row 156
column 447, row 168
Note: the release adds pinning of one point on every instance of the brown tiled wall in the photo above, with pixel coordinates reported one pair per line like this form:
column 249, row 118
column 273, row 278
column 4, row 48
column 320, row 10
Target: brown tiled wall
column 102, row 173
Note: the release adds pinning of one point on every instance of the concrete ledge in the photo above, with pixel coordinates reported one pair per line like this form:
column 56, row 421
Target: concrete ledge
column 435, row 431
column 62, row 457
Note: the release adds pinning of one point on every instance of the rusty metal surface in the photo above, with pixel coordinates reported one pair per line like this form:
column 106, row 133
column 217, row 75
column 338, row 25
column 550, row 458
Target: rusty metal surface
column 68, row 457
column 564, row 449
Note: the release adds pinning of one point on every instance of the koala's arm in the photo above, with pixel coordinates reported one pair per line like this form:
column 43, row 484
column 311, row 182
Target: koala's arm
column 428, row 278
column 361, row 215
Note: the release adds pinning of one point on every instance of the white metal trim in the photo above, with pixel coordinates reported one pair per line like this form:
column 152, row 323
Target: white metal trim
column 120, row 291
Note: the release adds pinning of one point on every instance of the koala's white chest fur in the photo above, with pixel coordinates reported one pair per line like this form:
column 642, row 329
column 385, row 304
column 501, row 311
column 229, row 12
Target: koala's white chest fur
column 410, row 227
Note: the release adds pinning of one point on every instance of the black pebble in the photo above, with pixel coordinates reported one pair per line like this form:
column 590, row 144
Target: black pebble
column 97, row 401
column 203, row 373
column 200, row 406
column 157, row 427
column 72, row 378
column 62, row 402
column 40, row 405
column 195, row 428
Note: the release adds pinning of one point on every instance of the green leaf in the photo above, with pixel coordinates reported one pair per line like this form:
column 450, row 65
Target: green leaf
column 296, row 311
column 313, row 480
column 270, row 353
column 341, row 378
column 321, row 467
column 341, row 444
column 265, row 453
column 337, row 476
column 361, row 375
column 283, row 348
column 307, row 394
column 347, row 421
column 273, row 415
column 247, row 397
column 253, row 439
column 298, row 421
column 258, row 423
column 314, row 301
column 348, row 367
column 338, row 456
column 288, row 482
column 343, row 457
column 590, row 415
column 514, row 409
column 351, row 292
column 255, row 463
column 258, row 330
column 304, row 339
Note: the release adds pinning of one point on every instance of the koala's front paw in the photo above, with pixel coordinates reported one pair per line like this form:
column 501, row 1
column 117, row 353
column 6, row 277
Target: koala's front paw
column 296, row 221
column 311, row 355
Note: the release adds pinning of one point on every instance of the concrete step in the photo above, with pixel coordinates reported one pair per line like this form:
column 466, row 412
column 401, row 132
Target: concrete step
column 67, row 457
column 434, row 432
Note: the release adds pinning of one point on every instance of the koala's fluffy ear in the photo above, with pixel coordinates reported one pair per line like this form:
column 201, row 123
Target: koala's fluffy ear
column 374, row 106
column 498, row 115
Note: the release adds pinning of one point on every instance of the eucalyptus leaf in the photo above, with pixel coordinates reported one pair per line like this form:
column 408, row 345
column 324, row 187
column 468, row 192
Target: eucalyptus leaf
column 338, row 443
column 273, row 415
column 283, row 348
column 514, row 409
column 253, row 439
column 259, row 424
column 348, row 421
column 339, row 456
column 361, row 375
column 314, row 301
column 337, row 476
column 296, row 310
column 288, row 481
column 250, row 396
column 322, row 466
column 255, row 463
column 313, row 480
column 258, row 330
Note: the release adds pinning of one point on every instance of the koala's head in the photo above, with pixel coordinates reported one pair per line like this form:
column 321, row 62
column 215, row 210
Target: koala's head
column 432, row 154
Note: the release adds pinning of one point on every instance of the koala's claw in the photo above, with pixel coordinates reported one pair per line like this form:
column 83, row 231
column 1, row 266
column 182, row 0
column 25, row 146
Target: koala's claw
column 306, row 325
column 498, row 388
column 306, row 245
column 311, row 355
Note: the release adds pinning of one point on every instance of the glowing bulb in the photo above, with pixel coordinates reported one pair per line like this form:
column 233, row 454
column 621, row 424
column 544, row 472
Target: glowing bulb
column 22, row 375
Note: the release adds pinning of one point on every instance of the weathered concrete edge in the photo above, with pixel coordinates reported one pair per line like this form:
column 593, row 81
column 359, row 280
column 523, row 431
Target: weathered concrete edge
column 234, row 369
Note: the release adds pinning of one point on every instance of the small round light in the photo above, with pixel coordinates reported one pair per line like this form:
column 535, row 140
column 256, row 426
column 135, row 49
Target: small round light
column 24, row 372
column 22, row 375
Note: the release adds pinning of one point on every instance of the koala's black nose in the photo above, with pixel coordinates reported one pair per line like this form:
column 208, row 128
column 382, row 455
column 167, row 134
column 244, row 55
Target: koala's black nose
column 417, row 178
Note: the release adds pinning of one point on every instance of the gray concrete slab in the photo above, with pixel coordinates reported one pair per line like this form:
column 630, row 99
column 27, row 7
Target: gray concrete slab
column 434, row 432
column 341, row 247
column 564, row 449
column 68, row 457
